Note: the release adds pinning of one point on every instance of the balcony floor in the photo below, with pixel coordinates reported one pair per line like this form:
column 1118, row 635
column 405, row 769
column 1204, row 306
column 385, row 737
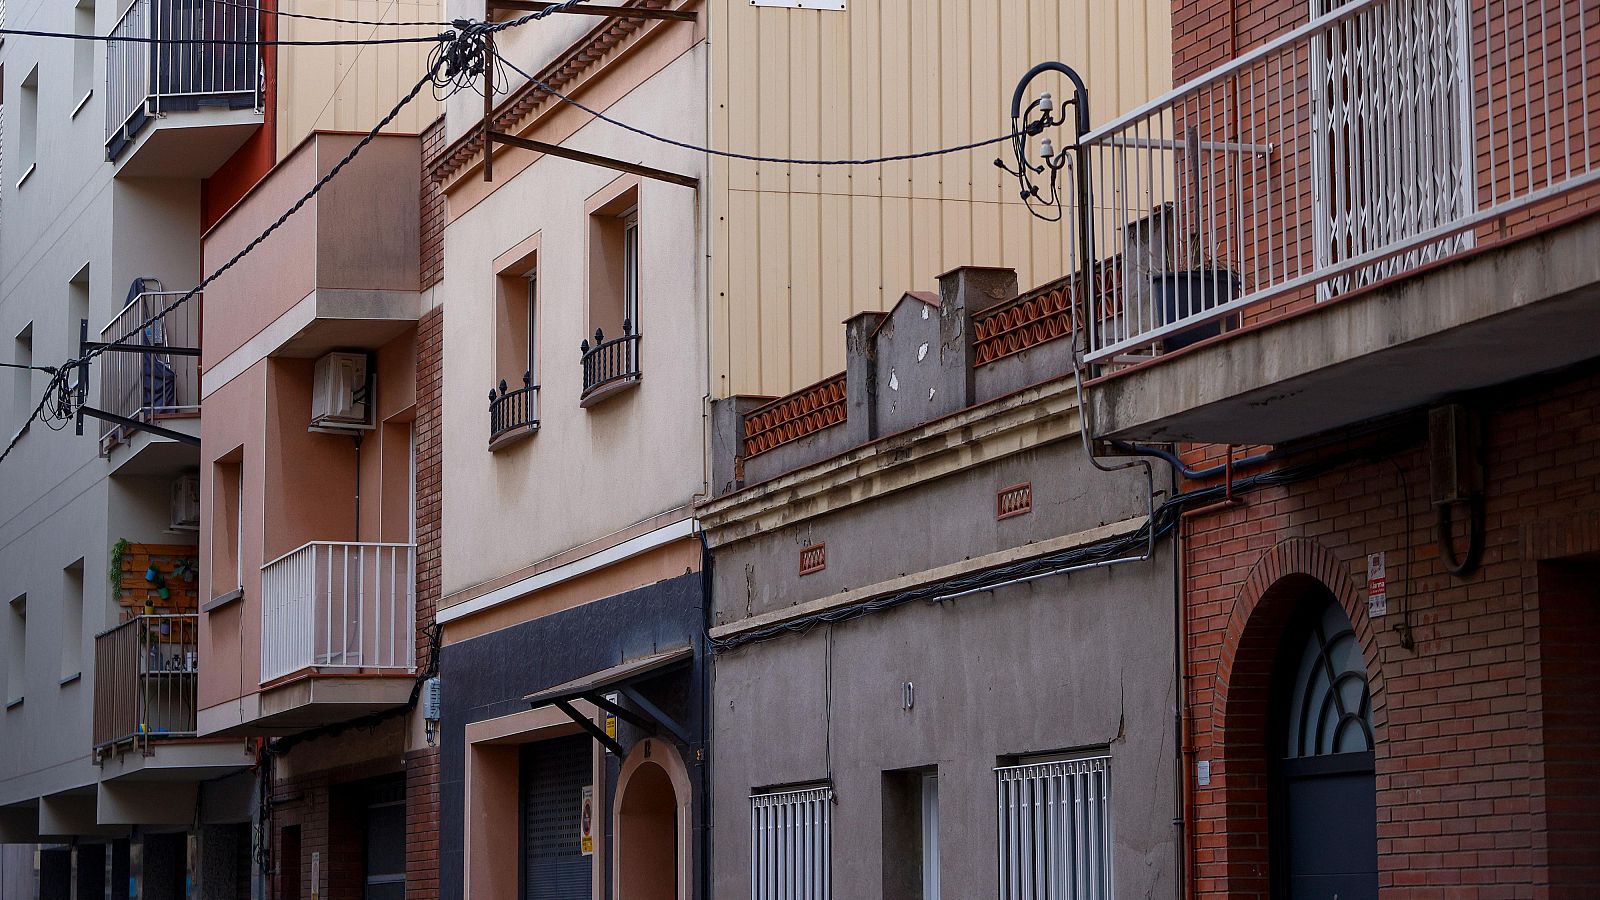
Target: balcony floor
column 311, row 701
column 187, row 144
column 1506, row 313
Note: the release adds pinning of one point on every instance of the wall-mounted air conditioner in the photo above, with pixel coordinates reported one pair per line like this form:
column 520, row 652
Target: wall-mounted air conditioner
column 186, row 503
column 341, row 393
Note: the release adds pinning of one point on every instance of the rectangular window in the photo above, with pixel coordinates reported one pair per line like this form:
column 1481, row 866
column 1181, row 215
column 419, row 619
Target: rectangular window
column 930, row 836
column 28, row 127
column 72, row 620
column 16, row 649
column 790, row 844
column 514, row 402
column 77, row 305
column 630, row 268
column 911, row 835
column 22, row 398
column 1055, row 829
column 227, row 536
column 83, row 53
column 614, row 260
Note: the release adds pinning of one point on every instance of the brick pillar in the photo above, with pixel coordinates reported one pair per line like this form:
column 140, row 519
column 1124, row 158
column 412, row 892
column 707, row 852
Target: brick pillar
column 422, row 766
column 422, row 824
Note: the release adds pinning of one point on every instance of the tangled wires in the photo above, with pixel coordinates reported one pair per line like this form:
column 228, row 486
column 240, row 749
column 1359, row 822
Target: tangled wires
column 462, row 55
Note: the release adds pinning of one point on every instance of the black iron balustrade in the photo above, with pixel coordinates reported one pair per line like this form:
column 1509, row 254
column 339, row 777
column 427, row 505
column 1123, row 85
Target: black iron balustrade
column 513, row 411
column 609, row 365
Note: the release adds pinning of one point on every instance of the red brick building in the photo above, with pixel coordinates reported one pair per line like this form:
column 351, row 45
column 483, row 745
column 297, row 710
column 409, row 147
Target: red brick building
column 1366, row 273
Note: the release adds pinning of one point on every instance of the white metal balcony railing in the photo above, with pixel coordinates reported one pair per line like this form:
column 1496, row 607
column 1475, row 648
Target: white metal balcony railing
column 209, row 60
column 150, row 386
column 333, row 606
column 1379, row 137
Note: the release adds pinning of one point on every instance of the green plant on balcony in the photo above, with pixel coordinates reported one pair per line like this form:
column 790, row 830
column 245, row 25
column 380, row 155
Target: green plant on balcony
column 119, row 552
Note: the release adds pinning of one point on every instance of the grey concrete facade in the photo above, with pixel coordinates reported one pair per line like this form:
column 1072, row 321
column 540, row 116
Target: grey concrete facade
column 926, row 661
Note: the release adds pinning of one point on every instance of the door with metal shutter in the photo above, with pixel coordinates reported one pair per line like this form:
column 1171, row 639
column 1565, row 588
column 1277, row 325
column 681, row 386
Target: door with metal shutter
column 554, row 774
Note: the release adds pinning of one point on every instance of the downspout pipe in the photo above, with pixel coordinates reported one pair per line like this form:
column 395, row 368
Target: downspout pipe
column 702, row 863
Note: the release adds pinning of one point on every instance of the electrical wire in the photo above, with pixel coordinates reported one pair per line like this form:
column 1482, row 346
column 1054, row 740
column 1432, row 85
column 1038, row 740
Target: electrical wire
column 252, row 42
column 457, row 54
column 748, row 157
column 1163, row 521
column 283, row 14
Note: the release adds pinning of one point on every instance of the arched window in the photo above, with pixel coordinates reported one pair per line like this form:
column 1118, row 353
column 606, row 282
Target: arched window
column 1330, row 710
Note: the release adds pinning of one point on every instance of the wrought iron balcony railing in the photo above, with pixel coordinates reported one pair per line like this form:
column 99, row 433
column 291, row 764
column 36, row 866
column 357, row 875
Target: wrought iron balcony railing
column 1375, row 139
column 150, row 386
column 513, row 412
column 338, row 607
column 145, row 674
column 611, row 365
column 206, row 59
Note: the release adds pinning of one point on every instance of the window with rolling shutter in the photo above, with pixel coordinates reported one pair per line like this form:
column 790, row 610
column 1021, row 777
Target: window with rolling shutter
column 554, row 774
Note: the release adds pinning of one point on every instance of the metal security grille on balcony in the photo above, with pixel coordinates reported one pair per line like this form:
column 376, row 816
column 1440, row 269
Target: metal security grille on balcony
column 209, row 61
column 1055, row 830
column 144, row 681
column 1377, row 138
column 338, row 607
column 609, row 365
column 512, row 412
column 150, row 386
column 790, row 845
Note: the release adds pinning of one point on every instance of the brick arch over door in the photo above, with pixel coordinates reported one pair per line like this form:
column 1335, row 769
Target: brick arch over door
column 1231, row 814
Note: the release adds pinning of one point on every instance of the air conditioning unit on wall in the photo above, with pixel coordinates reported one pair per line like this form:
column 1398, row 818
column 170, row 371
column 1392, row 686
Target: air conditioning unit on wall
column 341, row 393
column 186, row 503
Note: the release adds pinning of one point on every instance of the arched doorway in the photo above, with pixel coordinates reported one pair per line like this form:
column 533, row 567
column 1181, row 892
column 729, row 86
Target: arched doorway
column 1324, row 797
column 652, row 805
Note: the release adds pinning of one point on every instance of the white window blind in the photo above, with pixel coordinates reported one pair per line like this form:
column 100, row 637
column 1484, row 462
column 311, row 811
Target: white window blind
column 1055, row 830
column 790, row 846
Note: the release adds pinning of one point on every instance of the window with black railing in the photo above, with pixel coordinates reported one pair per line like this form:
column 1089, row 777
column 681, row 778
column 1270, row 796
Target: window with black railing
column 513, row 412
column 610, row 364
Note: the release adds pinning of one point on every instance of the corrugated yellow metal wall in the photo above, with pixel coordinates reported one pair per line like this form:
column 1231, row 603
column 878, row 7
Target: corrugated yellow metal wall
column 797, row 249
column 349, row 88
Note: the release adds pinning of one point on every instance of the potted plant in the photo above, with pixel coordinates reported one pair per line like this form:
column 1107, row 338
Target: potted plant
column 1204, row 283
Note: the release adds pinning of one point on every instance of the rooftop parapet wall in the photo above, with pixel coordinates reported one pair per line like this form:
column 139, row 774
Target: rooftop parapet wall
column 930, row 356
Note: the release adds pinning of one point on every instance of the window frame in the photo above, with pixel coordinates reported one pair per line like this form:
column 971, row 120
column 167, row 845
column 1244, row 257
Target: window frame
column 514, row 337
column 791, row 802
column 1016, row 811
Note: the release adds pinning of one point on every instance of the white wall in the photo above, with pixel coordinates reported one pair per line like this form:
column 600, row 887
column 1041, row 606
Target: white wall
column 587, row 473
column 57, row 502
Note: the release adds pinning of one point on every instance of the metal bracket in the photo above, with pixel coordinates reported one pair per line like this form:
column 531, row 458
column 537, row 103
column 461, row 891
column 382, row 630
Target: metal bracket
column 654, row 712
column 492, row 136
column 595, row 731
column 597, row 9
column 134, row 424
column 511, row 140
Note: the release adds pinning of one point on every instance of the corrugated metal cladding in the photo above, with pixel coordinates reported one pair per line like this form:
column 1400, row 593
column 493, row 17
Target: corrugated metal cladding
column 347, row 88
column 798, row 249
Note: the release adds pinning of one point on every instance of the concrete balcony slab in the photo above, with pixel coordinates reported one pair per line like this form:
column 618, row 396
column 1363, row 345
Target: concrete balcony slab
column 1508, row 312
